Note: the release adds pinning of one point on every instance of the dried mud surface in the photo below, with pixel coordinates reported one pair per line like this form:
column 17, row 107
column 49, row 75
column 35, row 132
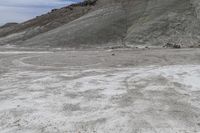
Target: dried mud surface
column 120, row 91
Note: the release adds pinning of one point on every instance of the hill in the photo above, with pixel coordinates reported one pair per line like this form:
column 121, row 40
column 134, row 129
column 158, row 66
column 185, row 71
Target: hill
column 102, row 23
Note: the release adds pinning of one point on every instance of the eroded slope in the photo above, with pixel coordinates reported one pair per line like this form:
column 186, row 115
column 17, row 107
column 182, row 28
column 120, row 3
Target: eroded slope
column 123, row 22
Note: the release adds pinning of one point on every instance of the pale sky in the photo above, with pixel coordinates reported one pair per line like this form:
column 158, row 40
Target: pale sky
column 22, row 10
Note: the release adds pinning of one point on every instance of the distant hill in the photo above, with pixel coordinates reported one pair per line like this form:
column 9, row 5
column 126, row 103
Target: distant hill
column 102, row 23
column 8, row 25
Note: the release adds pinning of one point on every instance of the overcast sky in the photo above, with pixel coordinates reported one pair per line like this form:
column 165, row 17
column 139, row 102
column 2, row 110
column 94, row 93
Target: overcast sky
column 22, row 10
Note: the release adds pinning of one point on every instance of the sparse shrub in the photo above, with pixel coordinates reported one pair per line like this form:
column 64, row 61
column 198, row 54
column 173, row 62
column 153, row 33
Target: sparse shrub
column 170, row 45
column 176, row 46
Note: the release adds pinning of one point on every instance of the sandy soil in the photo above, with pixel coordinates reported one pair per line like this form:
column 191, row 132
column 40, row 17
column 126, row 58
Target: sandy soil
column 105, row 91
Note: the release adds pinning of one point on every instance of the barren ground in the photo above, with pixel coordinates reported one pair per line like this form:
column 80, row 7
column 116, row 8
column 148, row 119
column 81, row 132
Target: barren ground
column 120, row 91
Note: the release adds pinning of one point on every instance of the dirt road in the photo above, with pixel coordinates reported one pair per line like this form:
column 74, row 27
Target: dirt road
column 120, row 91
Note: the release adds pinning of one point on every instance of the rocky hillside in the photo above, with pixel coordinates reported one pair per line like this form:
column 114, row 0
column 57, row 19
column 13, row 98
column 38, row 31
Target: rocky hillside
column 97, row 23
